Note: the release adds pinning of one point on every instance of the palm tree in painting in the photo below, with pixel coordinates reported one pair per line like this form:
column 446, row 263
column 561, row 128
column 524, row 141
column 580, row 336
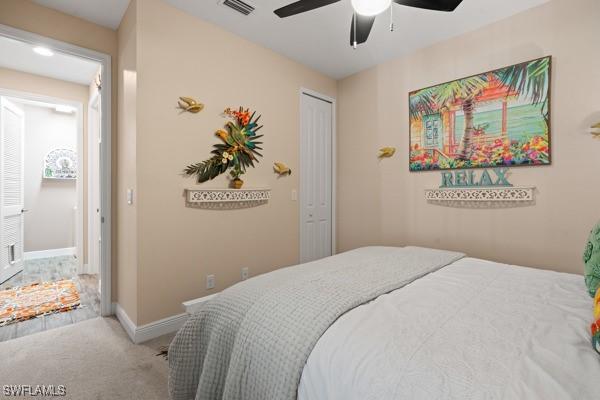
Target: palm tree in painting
column 527, row 79
column 462, row 91
column 531, row 80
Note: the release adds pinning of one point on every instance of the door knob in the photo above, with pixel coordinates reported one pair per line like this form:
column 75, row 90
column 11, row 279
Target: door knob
column 24, row 210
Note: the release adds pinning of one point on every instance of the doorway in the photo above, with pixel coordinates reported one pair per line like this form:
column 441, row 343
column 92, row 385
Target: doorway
column 317, row 176
column 40, row 141
column 44, row 261
column 77, row 170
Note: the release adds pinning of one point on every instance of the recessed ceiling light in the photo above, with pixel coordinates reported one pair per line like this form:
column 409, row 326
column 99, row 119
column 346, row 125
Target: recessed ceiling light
column 43, row 51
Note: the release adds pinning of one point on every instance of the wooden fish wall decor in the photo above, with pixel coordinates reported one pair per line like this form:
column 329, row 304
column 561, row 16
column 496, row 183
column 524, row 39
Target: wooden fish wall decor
column 386, row 152
column 595, row 130
column 187, row 104
column 281, row 169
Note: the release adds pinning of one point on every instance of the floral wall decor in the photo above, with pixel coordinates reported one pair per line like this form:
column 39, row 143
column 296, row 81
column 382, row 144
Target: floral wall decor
column 237, row 152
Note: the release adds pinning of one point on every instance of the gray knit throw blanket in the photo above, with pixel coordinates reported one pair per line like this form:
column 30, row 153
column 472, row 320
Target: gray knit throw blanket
column 252, row 340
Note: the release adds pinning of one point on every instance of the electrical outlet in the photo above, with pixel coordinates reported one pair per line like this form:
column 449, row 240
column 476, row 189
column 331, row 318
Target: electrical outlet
column 210, row 281
column 245, row 273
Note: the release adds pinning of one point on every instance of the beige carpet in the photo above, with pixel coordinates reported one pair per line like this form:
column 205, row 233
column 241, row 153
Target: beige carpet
column 94, row 359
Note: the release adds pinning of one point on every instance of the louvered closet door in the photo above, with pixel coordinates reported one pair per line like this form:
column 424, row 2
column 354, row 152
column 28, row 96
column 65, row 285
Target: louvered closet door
column 12, row 129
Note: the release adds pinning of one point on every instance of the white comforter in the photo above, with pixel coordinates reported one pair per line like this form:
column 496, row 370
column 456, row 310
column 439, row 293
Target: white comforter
column 473, row 330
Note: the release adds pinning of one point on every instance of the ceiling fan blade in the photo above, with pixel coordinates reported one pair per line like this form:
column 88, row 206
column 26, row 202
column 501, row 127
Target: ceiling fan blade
column 302, row 6
column 363, row 28
column 437, row 5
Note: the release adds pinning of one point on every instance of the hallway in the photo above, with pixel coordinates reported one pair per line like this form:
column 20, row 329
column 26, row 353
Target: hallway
column 48, row 270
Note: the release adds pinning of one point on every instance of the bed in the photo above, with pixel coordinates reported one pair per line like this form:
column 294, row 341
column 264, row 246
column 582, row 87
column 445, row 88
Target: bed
column 439, row 325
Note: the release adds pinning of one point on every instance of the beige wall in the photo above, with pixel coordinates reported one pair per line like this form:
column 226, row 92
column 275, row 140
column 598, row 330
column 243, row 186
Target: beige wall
column 30, row 83
column 126, row 240
column 165, row 250
column 31, row 17
column 358, row 180
column 390, row 201
column 50, row 221
column 36, row 84
column 179, row 55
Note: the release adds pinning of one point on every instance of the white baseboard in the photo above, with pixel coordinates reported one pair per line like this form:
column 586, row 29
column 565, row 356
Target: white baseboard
column 34, row 255
column 87, row 269
column 192, row 306
column 125, row 321
column 158, row 328
column 143, row 333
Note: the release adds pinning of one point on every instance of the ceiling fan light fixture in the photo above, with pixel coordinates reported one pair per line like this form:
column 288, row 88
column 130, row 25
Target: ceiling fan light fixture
column 370, row 8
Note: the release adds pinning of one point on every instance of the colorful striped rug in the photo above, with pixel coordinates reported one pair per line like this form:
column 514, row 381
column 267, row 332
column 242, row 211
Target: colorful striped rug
column 25, row 302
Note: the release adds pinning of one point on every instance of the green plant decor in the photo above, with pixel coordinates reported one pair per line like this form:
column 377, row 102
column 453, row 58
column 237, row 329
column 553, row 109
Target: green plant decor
column 238, row 151
column 591, row 258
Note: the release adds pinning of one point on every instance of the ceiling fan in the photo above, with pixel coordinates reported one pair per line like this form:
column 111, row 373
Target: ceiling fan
column 365, row 12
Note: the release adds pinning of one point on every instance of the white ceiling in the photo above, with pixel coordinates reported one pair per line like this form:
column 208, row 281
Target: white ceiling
column 20, row 57
column 321, row 38
column 107, row 13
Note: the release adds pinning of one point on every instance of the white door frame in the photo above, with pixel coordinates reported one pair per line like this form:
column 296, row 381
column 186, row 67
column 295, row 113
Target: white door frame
column 106, row 157
column 20, row 97
column 309, row 92
column 93, row 167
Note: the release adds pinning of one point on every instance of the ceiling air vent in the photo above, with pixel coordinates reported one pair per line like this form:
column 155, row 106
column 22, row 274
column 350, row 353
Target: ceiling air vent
column 239, row 6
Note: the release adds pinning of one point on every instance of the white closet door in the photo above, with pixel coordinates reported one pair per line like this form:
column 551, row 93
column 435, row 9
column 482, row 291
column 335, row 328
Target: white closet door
column 12, row 130
column 315, row 178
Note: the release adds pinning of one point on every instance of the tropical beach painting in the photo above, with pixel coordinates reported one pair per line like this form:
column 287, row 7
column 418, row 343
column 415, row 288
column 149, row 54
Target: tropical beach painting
column 498, row 118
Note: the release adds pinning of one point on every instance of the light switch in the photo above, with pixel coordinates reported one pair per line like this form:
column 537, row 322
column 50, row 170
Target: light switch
column 129, row 196
column 294, row 195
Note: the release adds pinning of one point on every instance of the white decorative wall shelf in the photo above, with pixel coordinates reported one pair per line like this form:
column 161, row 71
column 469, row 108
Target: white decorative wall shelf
column 227, row 198
column 507, row 195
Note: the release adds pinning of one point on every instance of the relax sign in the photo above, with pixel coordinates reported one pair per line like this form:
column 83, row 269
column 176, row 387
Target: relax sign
column 472, row 178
